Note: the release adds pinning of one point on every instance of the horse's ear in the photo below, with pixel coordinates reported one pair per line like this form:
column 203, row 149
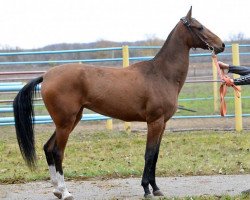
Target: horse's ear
column 189, row 14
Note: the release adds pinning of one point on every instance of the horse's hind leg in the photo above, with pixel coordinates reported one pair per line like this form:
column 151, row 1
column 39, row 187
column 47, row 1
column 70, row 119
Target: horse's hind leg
column 61, row 137
column 62, row 134
column 48, row 148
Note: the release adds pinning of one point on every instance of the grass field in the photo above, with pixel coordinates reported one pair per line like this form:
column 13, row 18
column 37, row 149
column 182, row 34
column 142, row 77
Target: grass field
column 103, row 154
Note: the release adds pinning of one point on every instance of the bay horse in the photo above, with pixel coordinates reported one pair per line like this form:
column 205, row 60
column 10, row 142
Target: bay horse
column 145, row 91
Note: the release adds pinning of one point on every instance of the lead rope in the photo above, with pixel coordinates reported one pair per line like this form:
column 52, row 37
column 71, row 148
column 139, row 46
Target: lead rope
column 226, row 81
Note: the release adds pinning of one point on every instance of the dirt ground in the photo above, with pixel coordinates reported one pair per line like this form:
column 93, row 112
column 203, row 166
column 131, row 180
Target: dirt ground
column 130, row 188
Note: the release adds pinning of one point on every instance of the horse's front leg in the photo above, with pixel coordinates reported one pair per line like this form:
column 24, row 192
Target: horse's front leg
column 155, row 132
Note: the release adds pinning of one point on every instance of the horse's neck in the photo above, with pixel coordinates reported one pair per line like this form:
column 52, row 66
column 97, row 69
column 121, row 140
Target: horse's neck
column 173, row 58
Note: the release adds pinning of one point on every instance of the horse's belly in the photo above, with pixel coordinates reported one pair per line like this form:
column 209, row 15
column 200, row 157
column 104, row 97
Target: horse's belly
column 118, row 111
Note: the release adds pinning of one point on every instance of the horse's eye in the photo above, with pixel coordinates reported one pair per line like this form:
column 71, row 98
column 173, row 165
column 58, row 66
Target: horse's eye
column 200, row 28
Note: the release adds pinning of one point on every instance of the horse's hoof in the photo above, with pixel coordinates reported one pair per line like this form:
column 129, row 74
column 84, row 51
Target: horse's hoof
column 68, row 196
column 57, row 193
column 158, row 193
column 148, row 196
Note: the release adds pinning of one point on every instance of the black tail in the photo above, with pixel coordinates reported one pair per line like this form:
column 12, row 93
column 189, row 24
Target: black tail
column 24, row 117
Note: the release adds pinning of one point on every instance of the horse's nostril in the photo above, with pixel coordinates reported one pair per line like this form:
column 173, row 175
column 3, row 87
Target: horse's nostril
column 223, row 45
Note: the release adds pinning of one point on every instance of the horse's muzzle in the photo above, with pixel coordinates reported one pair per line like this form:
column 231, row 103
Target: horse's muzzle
column 219, row 49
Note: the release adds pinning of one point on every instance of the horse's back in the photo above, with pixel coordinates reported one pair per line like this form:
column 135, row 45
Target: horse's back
column 84, row 78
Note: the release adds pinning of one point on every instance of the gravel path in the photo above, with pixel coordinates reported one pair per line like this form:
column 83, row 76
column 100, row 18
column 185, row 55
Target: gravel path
column 130, row 188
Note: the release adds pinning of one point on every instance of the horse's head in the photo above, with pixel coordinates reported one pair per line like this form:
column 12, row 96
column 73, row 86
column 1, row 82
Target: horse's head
column 201, row 37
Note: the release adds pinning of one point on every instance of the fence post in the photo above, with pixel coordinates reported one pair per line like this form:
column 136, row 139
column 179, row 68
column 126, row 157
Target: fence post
column 215, row 87
column 109, row 124
column 125, row 63
column 238, row 105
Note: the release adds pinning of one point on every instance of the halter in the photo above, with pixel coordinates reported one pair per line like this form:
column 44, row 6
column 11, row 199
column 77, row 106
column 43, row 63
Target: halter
column 189, row 27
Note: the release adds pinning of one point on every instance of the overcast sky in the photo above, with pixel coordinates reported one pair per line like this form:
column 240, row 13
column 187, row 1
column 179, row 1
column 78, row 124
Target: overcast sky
column 36, row 23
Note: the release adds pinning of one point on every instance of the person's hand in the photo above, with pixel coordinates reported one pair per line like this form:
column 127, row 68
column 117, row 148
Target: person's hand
column 227, row 80
column 223, row 65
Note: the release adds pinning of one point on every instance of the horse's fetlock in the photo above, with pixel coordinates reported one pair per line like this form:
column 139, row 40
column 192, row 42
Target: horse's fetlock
column 144, row 183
